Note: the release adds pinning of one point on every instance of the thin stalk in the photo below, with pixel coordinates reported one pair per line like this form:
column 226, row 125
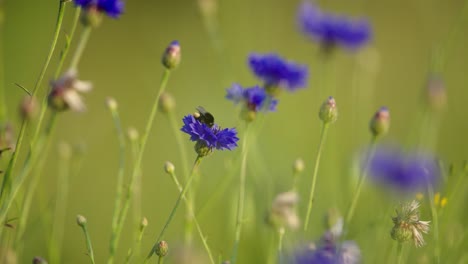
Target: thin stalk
column 185, row 170
column 6, row 182
column 136, row 168
column 323, row 136
column 88, row 242
column 120, row 182
column 399, row 253
column 3, row 100
column 160, row 260
column 435, row 224
column 280, row 244
column 85, row 34
column 361, row 181
column 241, row 201
column 137, row 246
column 174, row 209
column 55, row 244
column 192, row 213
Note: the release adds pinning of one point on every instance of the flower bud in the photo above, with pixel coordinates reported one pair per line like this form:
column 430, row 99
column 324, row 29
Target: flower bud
column 380, row 123
column 171, row 57
column 143, row 223
column 29, row 107
column 81, row 220
column 39, row 260
column 328, row 111
column 132, row 134
column 436, row 96
column 169, row 167
column 162, row 249
column 111, row 103
column 298, row 166
column 166, row 103
column 91, row 17
column 202, row 149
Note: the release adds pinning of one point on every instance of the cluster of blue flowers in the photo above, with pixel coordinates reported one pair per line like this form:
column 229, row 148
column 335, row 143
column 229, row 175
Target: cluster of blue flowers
column 254, row 97
column 113, row 8
column 333, row 30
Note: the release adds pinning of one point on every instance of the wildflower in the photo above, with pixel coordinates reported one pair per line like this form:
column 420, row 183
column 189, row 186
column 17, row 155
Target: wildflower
column 283, row 211
column 380, row 123
column 439, row 200
column 277, row 72
column 65, row 93
column 171, row 56
column 407, row 225
column 332, row 30
column 404, row 172
column 328, row 111
column 113, row 8
column 254, row 98
column 330, row 251
column 208, row 137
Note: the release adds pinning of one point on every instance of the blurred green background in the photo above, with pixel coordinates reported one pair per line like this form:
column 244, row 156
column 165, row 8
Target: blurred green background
column 122, row 60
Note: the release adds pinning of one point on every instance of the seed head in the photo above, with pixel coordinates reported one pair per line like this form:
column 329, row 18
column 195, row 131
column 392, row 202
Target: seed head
column 407, row 225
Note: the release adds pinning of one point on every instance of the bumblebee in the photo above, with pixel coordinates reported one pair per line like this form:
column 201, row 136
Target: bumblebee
column 204, row 116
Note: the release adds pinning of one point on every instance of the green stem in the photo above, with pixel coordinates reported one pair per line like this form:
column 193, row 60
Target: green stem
column 60, row 205
column 323, row 136
column 241, row 201
column 174, row 209
column 399, row 253
column 136, row 168
column 120, row 183
column 280, row 244
column 24, row 124
column 137, row 245
column 185, row 170
column 435, row 224
column 361, row 181
column 88, row 242
column 3, row 100
column 192, row 213
column 85, row 34
column 160, row 260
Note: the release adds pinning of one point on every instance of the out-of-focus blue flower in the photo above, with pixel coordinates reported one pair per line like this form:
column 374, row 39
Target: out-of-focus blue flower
column 276, row 71
column 254, row 98
column 113, row 8
column 212, row 137
column 332, row 30
column 330, row 251
column 406, row 172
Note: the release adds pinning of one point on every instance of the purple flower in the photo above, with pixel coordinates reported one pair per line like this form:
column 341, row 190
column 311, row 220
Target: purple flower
column 407, row 172
column 113, row 8
column 330, row 251
column 211, row 137
column 333, row 30
column 276, row 71
column 253, row 97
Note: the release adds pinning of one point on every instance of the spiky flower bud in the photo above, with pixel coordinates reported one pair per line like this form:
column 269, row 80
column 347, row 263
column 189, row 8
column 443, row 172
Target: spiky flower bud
column 29, row 107
column 298, row 166
column 407, row 225
column 81, row 220
column 169, row 167
column 380, row 122
column 162, row 249
column 172, row 56
column 39, row 260
column 166, row 103
column 328, row 111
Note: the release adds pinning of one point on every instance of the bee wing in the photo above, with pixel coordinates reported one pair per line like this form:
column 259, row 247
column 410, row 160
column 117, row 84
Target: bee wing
column 201, row 110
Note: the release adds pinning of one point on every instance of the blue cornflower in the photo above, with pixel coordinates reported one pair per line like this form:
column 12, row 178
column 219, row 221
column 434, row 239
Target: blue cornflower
column 330, row 251
column 276, row 71
column 408, row 172
column 333, row 30
column 113, row 8
column 254, row 98
column 209, row 138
